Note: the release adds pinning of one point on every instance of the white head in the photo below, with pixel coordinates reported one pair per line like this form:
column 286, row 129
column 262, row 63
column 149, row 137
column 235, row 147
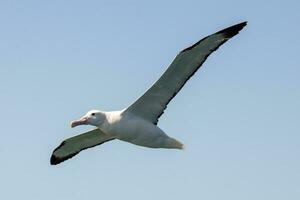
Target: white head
column 93, row 117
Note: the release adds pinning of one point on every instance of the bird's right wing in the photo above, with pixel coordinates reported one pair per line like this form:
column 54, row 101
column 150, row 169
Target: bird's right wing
column 151, row 105
column 72, row 146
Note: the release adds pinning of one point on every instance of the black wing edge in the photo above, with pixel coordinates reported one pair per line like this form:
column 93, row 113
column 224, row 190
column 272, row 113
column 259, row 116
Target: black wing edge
column 55, row 160
column 228, row 32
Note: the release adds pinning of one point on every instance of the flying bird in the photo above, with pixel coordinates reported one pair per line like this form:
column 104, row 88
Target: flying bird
column 137, row 124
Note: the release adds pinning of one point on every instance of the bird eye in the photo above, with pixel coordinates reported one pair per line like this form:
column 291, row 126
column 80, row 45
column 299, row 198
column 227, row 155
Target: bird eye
column 93, row 114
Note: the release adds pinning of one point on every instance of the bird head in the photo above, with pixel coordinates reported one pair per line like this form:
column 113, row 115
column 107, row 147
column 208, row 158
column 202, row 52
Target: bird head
column 93, row 117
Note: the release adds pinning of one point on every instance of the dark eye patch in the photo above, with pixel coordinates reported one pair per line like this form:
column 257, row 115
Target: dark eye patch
column 93, row 114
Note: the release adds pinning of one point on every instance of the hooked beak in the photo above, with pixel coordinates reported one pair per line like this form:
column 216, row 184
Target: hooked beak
column 81, row 121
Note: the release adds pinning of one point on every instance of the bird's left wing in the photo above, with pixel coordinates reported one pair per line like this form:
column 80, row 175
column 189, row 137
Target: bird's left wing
column 152, row 104
column 72, row 146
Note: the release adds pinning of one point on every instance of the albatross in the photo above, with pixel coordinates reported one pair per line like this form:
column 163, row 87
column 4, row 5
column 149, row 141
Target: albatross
column 137, row 124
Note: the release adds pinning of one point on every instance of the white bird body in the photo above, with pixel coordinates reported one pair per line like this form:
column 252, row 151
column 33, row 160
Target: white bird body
column 130, row 128
column 137, row 124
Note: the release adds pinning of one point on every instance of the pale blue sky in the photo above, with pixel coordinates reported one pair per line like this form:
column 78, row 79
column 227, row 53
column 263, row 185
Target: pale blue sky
column 238, row 116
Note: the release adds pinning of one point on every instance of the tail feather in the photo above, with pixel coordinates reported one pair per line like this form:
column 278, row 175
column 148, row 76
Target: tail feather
column 174, row 144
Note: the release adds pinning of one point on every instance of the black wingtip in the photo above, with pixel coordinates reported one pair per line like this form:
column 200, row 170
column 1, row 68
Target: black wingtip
column 233, row 30
column 54, row 160
column 227, row 33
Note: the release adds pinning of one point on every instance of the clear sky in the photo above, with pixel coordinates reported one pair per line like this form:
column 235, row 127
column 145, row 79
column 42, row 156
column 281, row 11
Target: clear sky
column 238, row 116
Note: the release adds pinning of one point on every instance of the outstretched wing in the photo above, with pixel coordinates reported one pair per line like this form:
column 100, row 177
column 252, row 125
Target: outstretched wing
column 72, row 146
column 152, row 104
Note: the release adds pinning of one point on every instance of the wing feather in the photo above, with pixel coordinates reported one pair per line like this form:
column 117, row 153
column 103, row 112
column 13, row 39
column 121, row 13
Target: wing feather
column 152, row 104
column 72, row 146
